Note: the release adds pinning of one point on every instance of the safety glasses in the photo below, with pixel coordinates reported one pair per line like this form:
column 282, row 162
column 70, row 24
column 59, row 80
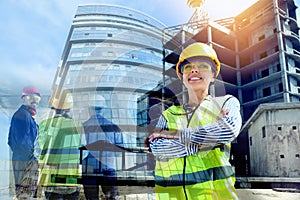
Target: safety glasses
column 33, row 97
column 199, row 65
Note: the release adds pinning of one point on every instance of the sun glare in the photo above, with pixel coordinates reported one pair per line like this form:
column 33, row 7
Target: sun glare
column 218, row 9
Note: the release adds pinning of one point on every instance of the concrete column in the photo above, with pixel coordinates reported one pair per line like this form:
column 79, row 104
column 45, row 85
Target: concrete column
column 282, row 59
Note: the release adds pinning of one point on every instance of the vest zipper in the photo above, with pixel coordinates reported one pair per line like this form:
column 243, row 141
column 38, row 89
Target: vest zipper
column 184, row 159
column 183, row 177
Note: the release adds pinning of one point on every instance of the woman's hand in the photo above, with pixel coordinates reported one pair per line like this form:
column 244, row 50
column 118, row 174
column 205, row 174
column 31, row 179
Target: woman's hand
column 163, row 134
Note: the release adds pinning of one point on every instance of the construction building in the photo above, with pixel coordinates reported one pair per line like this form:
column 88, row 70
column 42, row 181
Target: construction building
column 270, row 131
column 259, row 51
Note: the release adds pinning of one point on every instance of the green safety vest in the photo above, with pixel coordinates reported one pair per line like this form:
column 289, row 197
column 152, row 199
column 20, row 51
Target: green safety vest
column 59, row 140
column 206, row 175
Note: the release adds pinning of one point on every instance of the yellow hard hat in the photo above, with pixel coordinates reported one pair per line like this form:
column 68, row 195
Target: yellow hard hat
column 198, row 49
column 61, row 99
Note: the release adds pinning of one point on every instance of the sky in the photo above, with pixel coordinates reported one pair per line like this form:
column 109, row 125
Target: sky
column 34, row 32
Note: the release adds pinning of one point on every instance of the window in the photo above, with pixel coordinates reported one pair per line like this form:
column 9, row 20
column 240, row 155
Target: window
column 281, row 156
column 260, row 38
column 278, row 67
column 109, row 53
column 250, row 141
column 93, row 79
column 109, row 35
column 263, row 132
column 128, row 67
column 116, row 67
column 263, row 55
column 280, row 86
column 279, row 128
column 130, row 80
column 265, row 73
column 266, row 92
column 294, row 127
column 84, row 79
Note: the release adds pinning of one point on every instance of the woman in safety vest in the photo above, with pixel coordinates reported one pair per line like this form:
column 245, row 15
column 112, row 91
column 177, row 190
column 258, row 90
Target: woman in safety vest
column 192, row 144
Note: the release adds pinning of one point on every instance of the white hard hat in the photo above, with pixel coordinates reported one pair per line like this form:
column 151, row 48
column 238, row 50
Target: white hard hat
column 99, row 101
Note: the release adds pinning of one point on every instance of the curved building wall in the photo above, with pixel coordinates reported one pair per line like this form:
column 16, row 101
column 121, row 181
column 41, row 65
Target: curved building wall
column 116, row 52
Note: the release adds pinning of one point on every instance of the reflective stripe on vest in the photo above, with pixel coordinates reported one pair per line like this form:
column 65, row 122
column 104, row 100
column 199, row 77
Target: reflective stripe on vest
column 59, row 161
column 208, row 171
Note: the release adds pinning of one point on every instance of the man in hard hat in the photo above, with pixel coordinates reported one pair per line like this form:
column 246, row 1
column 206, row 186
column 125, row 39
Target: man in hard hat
column 101, row 159
column 192, row 145
column 59, row 140
column 21, row 139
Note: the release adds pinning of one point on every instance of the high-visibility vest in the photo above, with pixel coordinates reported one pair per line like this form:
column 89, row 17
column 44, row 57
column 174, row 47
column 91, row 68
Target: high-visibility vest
column 205, row 175
column 59, row 140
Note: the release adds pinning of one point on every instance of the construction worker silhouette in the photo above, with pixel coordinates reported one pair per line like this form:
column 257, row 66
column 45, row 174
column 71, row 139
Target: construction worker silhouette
column 59, row 140
column 21, row 139
column 101, row 137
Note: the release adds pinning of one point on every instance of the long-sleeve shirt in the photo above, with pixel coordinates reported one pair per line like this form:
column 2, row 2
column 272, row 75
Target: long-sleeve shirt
column 222, row 131
column 22, row 134
column 98, row 128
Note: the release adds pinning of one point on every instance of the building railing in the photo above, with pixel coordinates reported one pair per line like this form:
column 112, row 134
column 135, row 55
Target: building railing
column 138, row 175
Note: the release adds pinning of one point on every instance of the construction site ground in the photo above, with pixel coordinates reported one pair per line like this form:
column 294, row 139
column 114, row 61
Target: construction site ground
column 148, row 193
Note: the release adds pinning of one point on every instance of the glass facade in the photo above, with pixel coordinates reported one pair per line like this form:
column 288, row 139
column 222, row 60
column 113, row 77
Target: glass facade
column 114, row 52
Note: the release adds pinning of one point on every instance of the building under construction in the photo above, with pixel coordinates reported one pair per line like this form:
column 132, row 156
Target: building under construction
column 259, row 51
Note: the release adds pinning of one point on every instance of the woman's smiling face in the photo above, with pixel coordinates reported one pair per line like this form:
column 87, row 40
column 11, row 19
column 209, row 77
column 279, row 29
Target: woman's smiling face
column 197, row 75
